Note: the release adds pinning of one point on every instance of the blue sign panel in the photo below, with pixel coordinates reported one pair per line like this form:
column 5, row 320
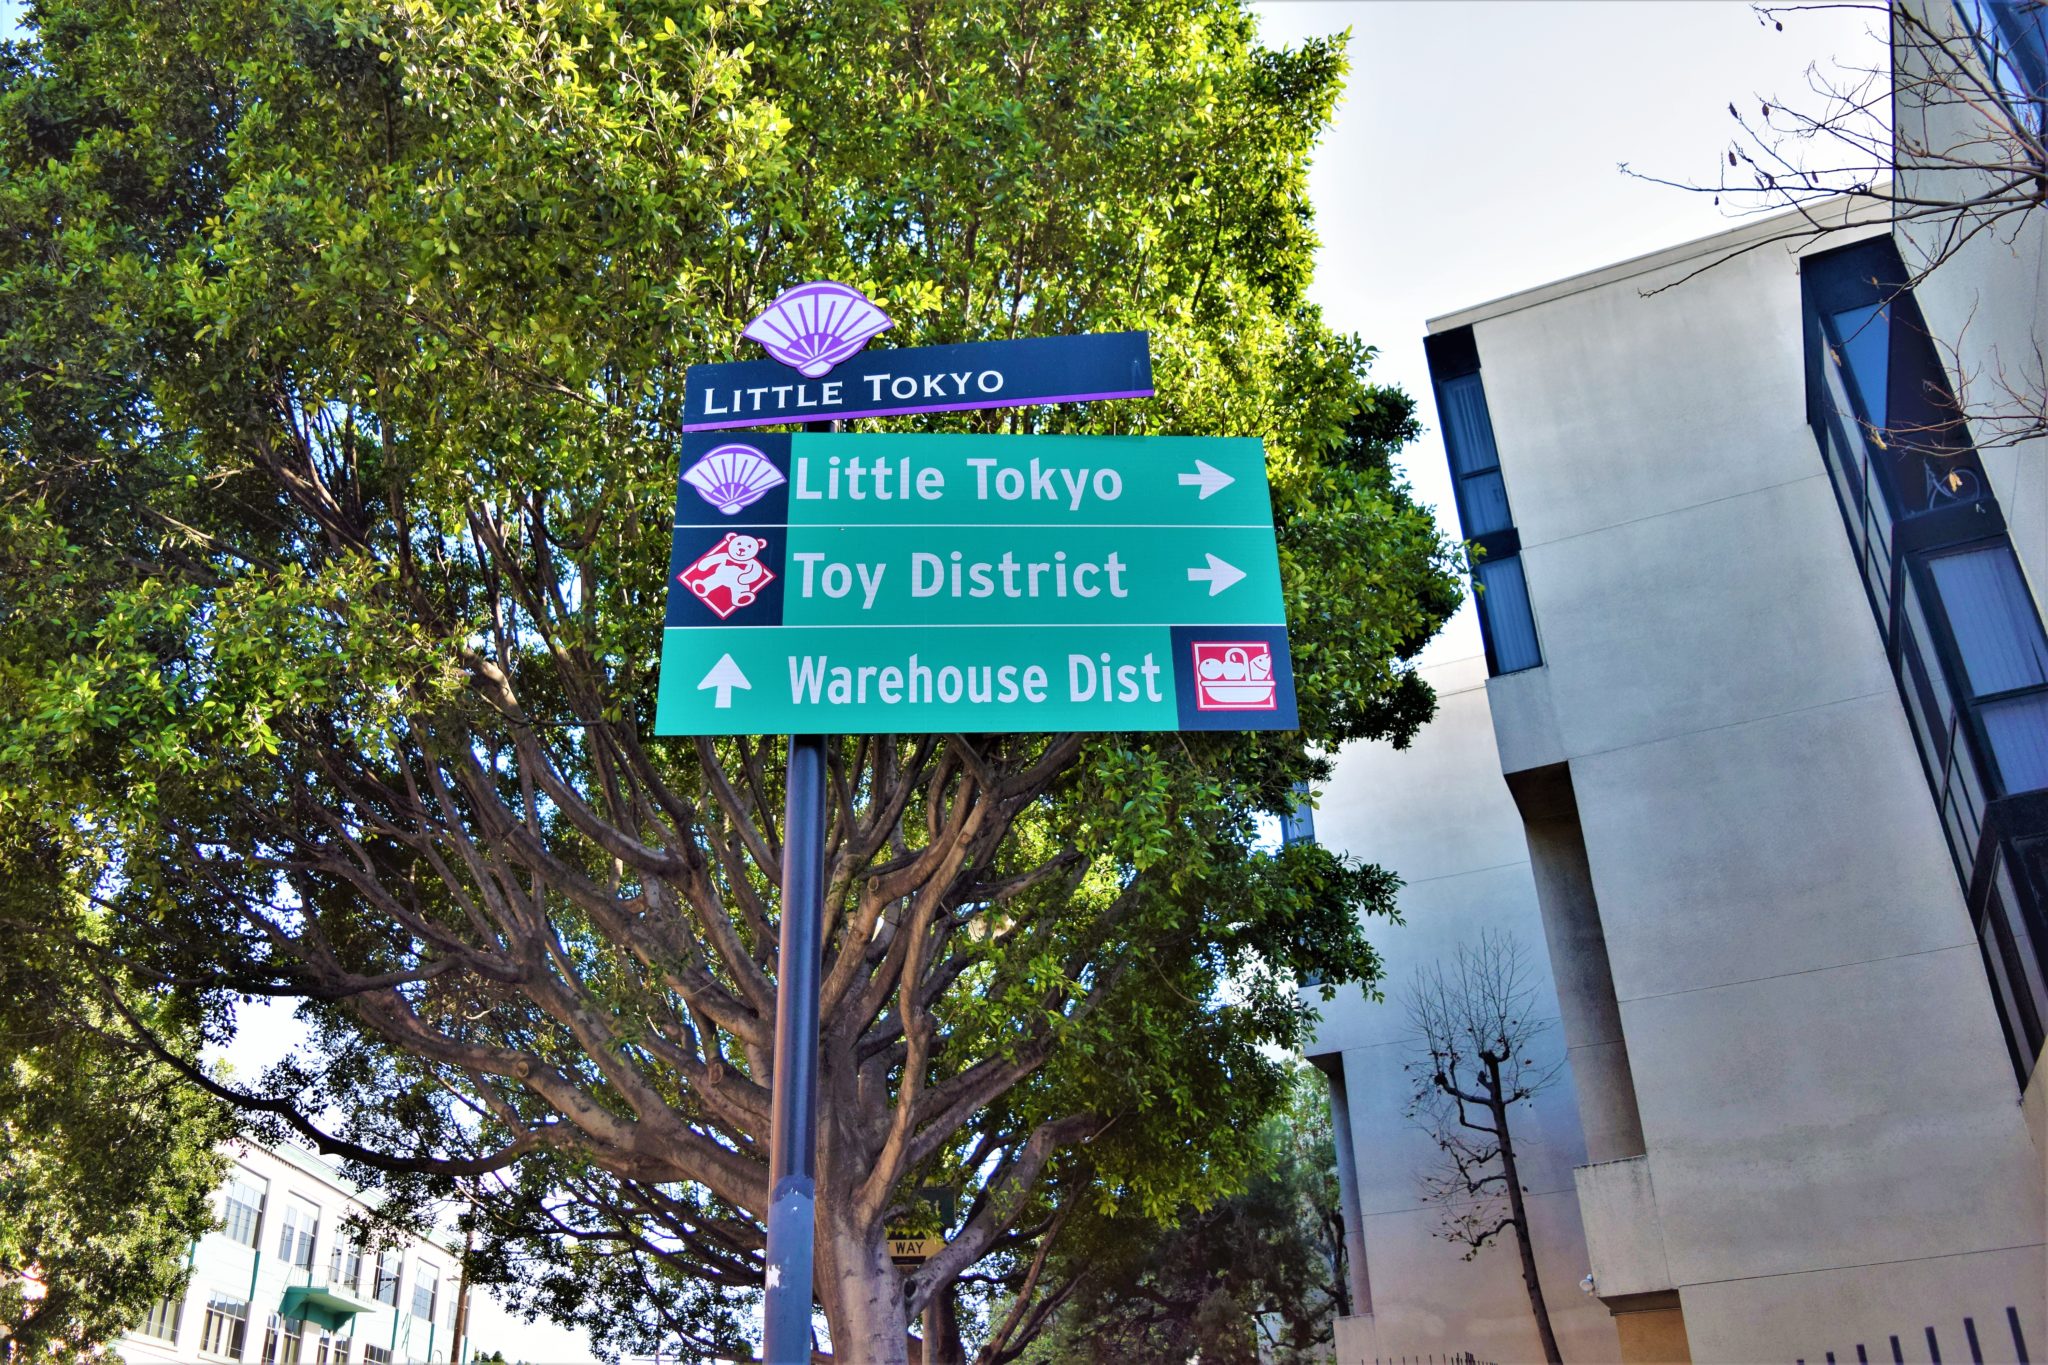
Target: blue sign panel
column 972, row 374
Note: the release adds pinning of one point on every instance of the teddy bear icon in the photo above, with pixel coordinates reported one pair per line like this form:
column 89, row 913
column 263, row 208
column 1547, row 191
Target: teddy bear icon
column 729, row 575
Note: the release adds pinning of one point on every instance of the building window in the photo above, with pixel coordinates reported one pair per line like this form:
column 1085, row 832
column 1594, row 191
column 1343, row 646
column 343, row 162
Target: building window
column 345, row 1263
column 1504, row 598
column 165, row 1317
column 282, row 1340
column 2011, row 38
column 1961, row 629
column 1506, row 623
column 376, row 1355
column 426, row 1289
column 295, row 1239
column 226, row 1325
column 1475, row 463
column 388, row 1263
column 242, row 1210
column 330, row 1350
column 2004, row 653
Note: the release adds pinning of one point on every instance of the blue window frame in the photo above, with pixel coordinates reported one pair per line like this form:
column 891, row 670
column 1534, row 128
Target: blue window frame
column 2011, row 38
column 1961, row 629
column 1506, row 623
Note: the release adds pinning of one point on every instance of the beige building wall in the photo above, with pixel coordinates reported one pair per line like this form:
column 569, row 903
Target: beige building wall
column 1438, row 814
column 1835, row 1148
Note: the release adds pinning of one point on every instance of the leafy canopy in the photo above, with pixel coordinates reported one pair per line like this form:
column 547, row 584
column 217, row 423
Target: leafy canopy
column 343, row 361
column 108, row 1161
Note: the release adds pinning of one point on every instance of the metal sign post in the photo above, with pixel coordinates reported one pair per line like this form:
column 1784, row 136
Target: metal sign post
column 793, row 1138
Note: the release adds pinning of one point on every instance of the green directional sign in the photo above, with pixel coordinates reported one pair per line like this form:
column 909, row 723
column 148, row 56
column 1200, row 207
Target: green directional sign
column 831, row 583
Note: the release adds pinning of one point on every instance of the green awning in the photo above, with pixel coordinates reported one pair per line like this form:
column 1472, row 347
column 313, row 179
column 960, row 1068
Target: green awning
column 322, row 1306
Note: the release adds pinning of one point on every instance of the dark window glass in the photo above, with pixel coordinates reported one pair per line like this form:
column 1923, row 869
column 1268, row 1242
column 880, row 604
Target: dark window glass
column 1992, row 615
column 2004, row 651
column 1475, row 463
column 2013, row 954
column 227, row 1323
column 387, row 1277
column 300, row 1225
column 426, row 1287
column 1468, row 428
column 1864, row 335
column 164, row 1317
column 242, row 1211
column 2018, row 730
column 282, row 1341
column 2011, row 38
column 1484, row 503
column 345, row 1263
column 1504, row 602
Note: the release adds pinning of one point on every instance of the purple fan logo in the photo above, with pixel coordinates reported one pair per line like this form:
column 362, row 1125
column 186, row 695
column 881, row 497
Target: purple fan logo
column 814, row 326
column 733, row 476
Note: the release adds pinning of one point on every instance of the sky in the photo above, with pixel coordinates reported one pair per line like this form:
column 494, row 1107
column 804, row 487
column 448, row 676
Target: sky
column 1474, row 155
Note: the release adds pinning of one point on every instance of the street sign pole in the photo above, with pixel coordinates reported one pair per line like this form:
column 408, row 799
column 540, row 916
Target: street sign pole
column 793, row 1135
column 793, row 1113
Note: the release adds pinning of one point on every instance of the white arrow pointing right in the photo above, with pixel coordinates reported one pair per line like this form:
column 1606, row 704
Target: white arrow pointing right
column 1208, row 478
column 725, row 675
column 1219, row 574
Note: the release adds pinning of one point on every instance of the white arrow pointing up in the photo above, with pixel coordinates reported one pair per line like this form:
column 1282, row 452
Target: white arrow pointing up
column 1219, row 574
column 725, row 675
column 1208, row 478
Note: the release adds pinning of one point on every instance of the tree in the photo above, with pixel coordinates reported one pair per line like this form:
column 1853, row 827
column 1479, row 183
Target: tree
column 1475, row 1030
column 345, row 344
column 1947, row 140
column 108, row 1160
column 1249, row 1278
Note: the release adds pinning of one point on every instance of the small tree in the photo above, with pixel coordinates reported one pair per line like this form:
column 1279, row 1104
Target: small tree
column 1249, row 1279
column 1474, row 1026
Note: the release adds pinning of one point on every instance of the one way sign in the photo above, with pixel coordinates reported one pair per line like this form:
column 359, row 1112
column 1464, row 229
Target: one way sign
column 725, row 675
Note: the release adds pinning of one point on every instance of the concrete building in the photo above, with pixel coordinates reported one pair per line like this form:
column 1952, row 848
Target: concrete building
column 282, row 1282
column 1766, row 712
column 1439, row 815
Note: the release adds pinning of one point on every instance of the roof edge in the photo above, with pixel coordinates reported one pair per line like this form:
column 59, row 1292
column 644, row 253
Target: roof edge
column 1841, row 213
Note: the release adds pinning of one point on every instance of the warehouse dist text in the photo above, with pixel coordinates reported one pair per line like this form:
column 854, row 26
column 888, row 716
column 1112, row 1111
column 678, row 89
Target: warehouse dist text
column 954, row 575
column 815, row 679
column 884, row 480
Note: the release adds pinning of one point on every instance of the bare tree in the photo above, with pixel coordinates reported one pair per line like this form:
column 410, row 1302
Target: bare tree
column 1947, row 139
column 1474, row 1028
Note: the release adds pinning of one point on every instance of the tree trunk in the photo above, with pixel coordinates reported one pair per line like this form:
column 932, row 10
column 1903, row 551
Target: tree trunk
column 1521, row 1214
column 943, row 1345
column 862, row 1293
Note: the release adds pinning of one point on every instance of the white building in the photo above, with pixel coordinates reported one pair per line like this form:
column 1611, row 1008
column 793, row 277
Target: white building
column 282, row 1282
column 1761, row 756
